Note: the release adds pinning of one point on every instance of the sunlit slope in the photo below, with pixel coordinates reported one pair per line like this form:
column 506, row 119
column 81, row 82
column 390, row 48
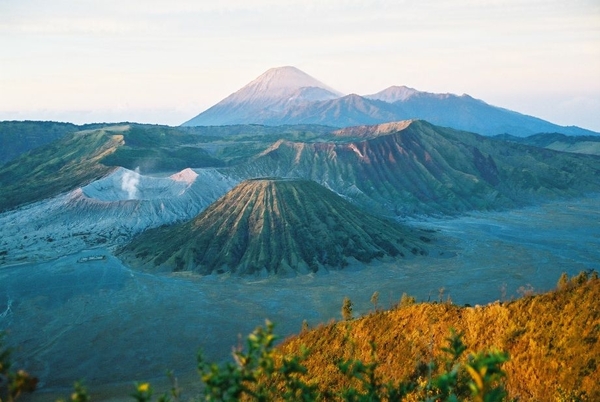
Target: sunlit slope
column 272, row 226
column 63, row 165
column 416, row 167
column 553, row 341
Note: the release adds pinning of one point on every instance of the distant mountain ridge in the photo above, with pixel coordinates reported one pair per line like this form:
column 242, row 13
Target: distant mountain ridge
column 18, row 137
column 287, row 95
column 589, row 145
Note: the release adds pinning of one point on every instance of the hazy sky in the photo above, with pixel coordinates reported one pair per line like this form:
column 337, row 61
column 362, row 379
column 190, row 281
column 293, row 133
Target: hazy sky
column 159, row 61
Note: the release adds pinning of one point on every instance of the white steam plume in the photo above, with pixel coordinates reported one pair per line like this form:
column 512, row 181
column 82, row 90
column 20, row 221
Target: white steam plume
column 129, row 183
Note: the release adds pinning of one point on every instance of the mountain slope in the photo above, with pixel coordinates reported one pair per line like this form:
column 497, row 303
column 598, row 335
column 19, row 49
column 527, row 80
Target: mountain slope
column 552, row 340
column 394, row 94
column 270, row 93
column 151, row 149
column 468, row 114
column 350, row 110
column 415, row 167
column 271, row 226
column 159, row 149
column 58, row 167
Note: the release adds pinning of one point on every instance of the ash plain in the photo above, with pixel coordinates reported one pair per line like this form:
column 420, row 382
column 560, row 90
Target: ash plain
column 110, row 325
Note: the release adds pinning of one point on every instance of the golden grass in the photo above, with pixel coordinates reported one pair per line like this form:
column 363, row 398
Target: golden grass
column 553, row 340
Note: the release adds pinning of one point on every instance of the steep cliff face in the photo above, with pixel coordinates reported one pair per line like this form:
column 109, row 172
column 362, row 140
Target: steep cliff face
column 274, row 226
column 414, row 168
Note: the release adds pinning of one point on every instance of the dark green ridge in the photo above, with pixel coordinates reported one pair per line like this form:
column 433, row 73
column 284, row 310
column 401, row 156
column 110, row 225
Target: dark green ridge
column 60, row 166
column 60, row 157
column 583, row 144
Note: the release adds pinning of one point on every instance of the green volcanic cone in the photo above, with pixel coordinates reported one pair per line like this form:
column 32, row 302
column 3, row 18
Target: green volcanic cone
column 273, row 226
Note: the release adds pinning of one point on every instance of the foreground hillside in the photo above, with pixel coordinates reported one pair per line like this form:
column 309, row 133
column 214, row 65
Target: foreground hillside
column 538, row 348
column 553, row 341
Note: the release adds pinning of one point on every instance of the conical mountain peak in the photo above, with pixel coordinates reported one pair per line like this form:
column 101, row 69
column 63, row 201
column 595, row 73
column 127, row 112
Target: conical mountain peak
column 287, row 95
column 277, row 85
column 273, row 226
column 285, row 78
column 394, row 94
column 273, row 92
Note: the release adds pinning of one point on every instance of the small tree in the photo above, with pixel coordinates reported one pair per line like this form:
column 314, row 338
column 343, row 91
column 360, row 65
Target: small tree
column 406, row 300
column 526, row 291
column 563, row 281
column 347, row 309
column 13, row 383
column 580, row 279
column 375, row 300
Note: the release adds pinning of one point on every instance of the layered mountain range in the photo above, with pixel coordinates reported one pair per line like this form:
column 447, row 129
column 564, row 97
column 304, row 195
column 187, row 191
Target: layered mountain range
column 104, row 185
column 74, row 192
column 247, row 221
column 286, row 95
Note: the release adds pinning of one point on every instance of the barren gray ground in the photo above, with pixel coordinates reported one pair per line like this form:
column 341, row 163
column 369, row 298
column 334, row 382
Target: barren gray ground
column 106, row 323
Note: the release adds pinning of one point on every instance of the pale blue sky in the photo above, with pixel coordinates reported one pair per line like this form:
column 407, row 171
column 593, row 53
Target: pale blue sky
column 164, row 62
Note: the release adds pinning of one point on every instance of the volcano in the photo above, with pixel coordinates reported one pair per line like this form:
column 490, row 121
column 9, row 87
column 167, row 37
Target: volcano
column 274, row 226
column 266, row 97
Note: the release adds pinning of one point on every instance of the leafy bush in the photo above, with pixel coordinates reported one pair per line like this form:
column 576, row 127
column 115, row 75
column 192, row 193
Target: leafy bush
column 12, row 383
column 262, row 374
